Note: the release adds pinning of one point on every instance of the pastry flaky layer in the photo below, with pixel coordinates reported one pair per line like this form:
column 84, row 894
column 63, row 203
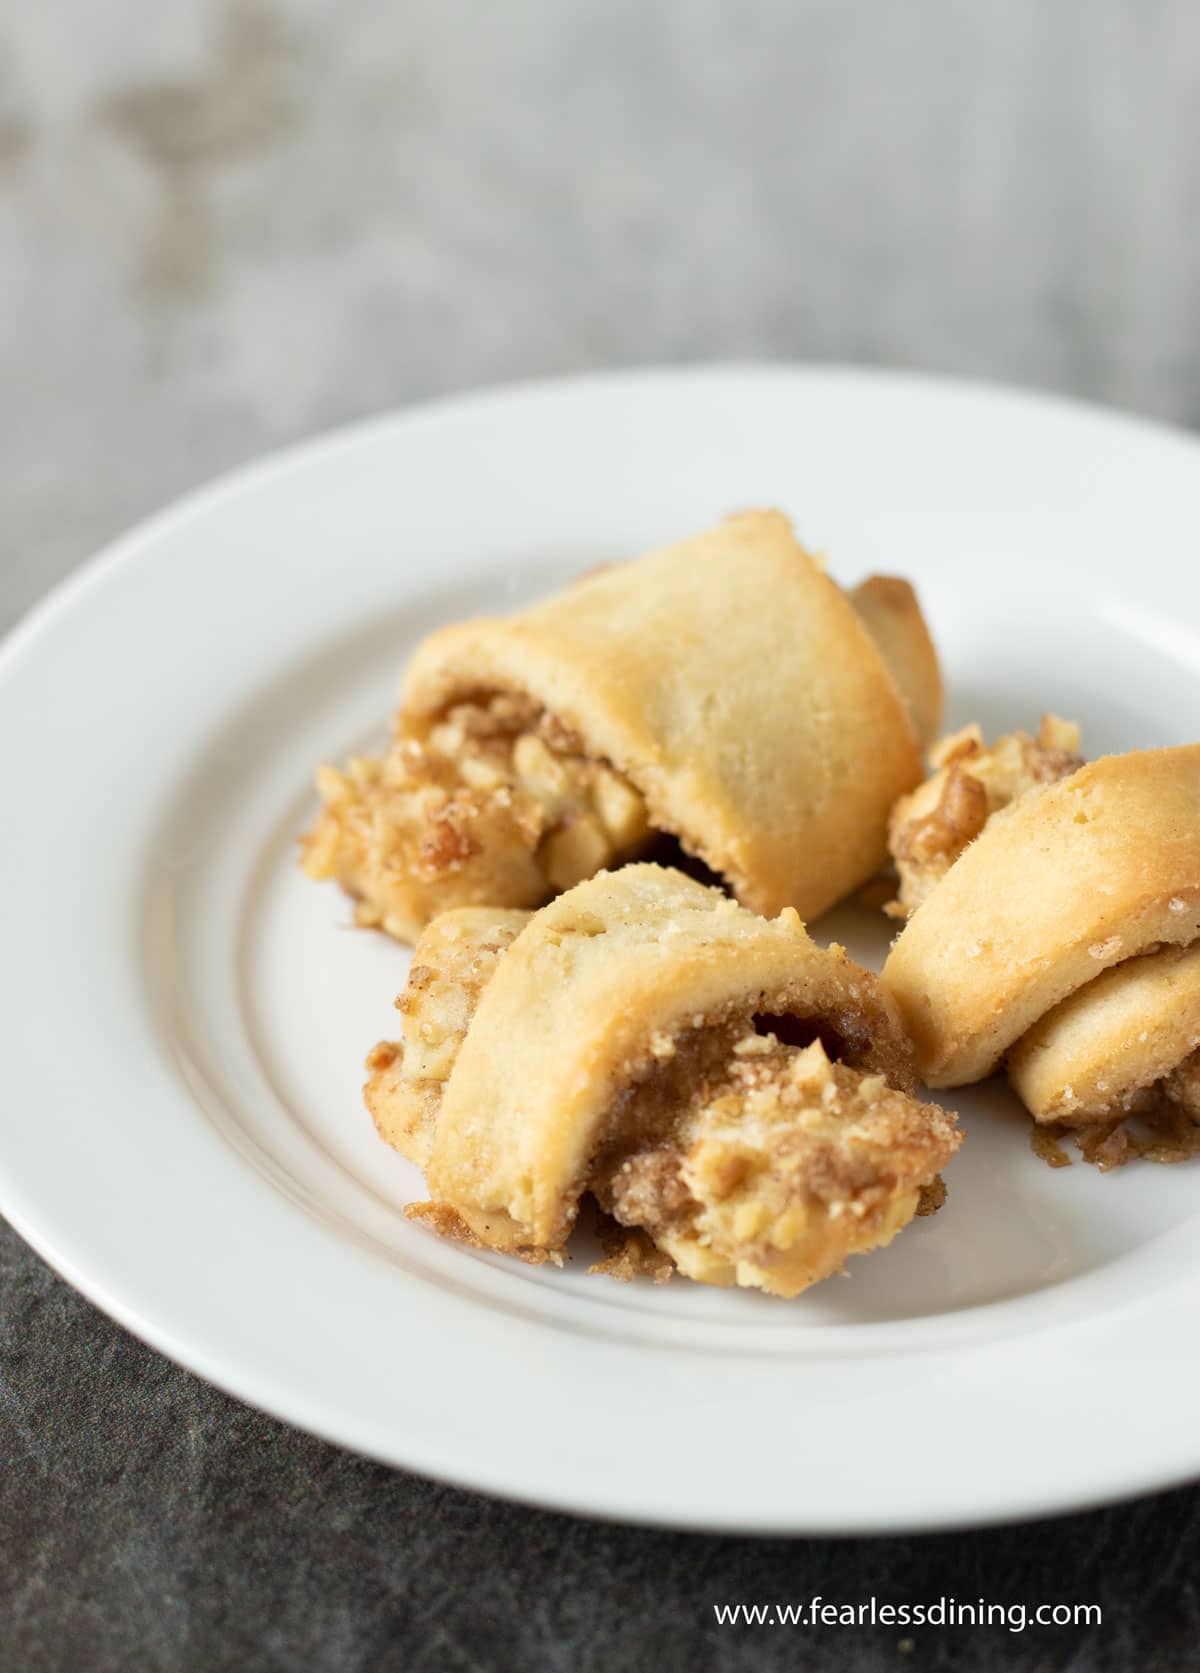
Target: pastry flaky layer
column 1066, row 938
column 723, row 691
column 723, row 1086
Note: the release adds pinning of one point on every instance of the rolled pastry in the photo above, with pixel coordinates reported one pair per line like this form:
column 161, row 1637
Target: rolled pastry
column 724, row 691
column 714, row 1079
column 1116, row 1044
column 1067, row 938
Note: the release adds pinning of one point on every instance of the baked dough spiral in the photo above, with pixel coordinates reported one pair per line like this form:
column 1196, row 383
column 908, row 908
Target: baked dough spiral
column 721, row 1084
column 723, row 691
column 1065, row 941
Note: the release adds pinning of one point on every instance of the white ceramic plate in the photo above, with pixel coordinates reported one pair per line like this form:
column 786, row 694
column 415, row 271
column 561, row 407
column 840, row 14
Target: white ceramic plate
column 186, row 1017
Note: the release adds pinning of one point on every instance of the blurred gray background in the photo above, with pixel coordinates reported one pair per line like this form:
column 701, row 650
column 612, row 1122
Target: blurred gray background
column 226, row 223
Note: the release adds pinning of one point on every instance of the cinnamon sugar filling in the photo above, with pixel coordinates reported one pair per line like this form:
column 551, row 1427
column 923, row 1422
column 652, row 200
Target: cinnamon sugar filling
column 1159, row 1122
column 753, row 1161
column 496, row 801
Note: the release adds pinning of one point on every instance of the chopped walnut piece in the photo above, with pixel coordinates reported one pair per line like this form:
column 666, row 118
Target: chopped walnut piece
column 971, row 782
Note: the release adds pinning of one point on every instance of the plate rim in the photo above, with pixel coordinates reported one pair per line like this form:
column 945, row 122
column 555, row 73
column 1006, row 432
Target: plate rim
column 259, row 467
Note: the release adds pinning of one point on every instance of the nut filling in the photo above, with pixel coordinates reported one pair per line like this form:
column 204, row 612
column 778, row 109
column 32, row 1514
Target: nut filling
column 1158, row 1123
column 930, row 828
column 753, row 1162
column 494, row 802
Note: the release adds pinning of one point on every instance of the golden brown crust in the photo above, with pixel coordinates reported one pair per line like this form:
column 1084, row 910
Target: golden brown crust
column 723, row 691
column 1073, row 878
column 733, row 684
column 888, row 605
column 1112, row 1048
